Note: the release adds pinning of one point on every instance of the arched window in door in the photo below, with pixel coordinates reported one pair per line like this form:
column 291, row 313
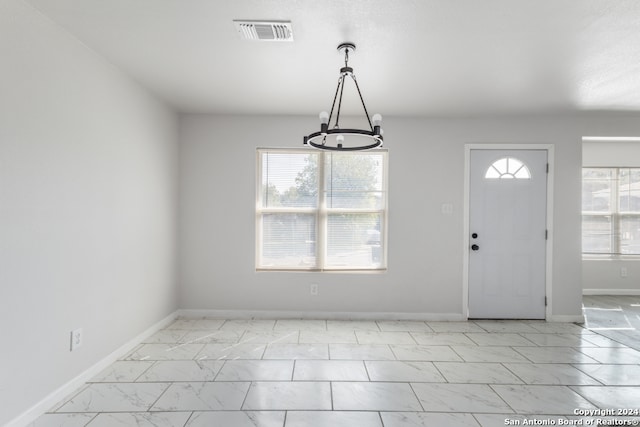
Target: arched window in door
column 508, row 168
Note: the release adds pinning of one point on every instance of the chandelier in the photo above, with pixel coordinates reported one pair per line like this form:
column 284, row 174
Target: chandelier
column 336, row 138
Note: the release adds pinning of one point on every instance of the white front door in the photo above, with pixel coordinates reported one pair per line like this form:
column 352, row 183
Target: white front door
column 507, row 227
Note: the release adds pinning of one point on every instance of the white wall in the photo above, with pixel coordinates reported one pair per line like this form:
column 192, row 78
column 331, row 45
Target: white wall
column 603, row 276
column 426, row 166
column 87, row 208
column 610, row 153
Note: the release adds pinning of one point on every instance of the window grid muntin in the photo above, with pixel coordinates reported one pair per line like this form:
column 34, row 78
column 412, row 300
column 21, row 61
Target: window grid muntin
column 501, row 169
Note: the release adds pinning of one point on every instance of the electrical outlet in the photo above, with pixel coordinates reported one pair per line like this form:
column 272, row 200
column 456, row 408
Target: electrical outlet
column 623, row 271
column 313, row 289
column 76, row 339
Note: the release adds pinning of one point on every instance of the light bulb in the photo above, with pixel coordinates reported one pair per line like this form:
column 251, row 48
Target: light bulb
column 324, row 117
column 340, row 139
column 377, row 119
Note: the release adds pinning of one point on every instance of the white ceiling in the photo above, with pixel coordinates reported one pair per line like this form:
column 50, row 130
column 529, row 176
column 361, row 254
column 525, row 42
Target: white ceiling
column 414, row 57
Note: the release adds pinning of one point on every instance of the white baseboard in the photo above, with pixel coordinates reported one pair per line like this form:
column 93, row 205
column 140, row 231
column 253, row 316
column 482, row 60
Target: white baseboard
column 566, row 318
column 342, row 315
column 330, row 315
column 611, row 292
column 65, row 390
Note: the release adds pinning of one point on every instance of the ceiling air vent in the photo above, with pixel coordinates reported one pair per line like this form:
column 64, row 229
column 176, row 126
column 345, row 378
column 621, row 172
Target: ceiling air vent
column 275, row 31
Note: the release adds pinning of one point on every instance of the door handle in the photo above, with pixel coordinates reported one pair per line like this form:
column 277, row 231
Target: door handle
column 475, row 247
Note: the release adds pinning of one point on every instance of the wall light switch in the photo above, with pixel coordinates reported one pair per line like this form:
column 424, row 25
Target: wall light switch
column 447, row 209
column 76, row 339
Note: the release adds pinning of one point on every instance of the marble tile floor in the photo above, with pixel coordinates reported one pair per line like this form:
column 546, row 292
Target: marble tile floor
column 317, row 373
column 614, row 317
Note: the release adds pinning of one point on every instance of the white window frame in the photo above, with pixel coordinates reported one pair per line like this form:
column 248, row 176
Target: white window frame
column 322, row 213
column 616, row 214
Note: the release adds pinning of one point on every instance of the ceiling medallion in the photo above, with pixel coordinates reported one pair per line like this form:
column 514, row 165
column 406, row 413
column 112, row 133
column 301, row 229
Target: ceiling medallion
column 338, row 139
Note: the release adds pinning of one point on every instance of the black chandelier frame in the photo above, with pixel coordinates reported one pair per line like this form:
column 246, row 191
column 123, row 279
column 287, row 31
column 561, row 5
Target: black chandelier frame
column 373, row 135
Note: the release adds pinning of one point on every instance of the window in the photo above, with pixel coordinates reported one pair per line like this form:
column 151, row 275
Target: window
column 611, row 211
column 508, row 168
column 321, row 210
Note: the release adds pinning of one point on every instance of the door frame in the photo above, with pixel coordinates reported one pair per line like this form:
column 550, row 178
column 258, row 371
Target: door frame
column 549, row 148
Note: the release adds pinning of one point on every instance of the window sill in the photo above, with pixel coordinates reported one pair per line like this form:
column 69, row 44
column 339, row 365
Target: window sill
column 610, row 257
column 341, row 271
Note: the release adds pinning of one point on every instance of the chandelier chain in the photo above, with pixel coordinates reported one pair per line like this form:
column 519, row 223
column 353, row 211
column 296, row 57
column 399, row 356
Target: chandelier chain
column 335, row 97
column 341, row 83
column 366, row 113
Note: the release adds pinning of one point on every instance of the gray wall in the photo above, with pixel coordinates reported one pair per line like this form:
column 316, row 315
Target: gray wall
column 426, row 166
column 87, row 208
